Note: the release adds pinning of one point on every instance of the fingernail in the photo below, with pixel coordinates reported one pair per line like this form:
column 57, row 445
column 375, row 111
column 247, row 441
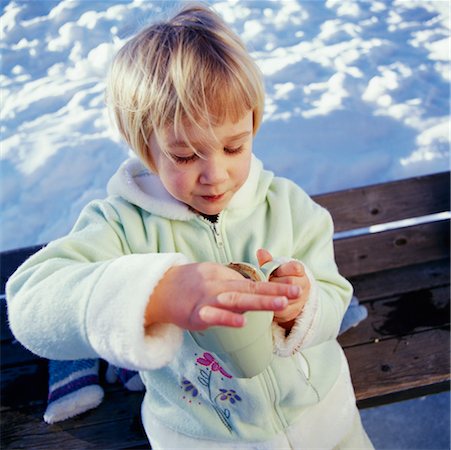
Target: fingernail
column 222, row 298
column 205, row 313
column 294, row 291
column 280, row 302
column 239, row 320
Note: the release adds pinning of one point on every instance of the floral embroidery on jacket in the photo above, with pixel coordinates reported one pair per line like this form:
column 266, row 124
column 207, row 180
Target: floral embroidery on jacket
column 230, row 395
column 221, row 398
column 207, row 359
column 191, row 392
column 189, row 387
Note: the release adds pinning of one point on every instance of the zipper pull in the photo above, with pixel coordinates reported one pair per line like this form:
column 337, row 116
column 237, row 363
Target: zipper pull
column 217, row 235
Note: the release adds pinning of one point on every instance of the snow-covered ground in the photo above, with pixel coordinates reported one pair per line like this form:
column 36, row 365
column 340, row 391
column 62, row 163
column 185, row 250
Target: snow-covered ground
column 357, row 93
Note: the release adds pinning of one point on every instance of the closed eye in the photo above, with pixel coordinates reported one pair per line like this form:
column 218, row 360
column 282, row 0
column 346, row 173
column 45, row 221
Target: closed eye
column 187, row 159
column 184, row 159
column 234, row 150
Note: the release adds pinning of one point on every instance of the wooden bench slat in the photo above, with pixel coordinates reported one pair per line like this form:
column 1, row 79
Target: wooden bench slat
column 25, row 385
column 392, row 317
column 401, row 367
column 393, row 282
column 421, row 390
column 431, row 308
column 115, row 424
column 370, row 205
column 392, row 248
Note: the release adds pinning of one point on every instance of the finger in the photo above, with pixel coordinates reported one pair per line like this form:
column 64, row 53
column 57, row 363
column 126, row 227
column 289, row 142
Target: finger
column 292, row 268
column 289, row 313
column 262, row 288
column 295, row 281
column 263, row 256
column 286, row 318
column 238, row 301
column 212, row 316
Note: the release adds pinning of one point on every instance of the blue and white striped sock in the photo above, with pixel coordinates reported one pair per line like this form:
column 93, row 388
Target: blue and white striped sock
column 73, row 389
column 130, row 379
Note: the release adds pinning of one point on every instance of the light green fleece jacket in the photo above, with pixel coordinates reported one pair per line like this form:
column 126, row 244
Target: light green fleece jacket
column 84, row 296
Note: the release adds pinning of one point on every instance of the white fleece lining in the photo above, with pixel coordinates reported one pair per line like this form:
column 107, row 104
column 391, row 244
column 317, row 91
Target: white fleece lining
column 302, row 331
column 136, row 184
column 115, row 314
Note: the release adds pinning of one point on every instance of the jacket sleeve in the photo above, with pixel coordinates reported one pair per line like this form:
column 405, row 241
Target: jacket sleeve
column 84, row 296
column 330, row 293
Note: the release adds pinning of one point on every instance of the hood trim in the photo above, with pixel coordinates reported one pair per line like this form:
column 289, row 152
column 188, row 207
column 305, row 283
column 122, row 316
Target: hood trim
column 136, row 184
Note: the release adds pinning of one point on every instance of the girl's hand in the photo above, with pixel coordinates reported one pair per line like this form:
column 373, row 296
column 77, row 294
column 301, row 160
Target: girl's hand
column 291, row 273
column 197, row 296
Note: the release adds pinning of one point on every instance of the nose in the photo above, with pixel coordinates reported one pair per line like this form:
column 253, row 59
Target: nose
column 213, row 172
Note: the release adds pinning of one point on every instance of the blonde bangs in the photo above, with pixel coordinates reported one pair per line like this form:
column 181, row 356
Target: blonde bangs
column 213, row 84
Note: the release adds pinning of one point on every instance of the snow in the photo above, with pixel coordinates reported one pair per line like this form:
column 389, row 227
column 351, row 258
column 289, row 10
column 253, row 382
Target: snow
column 357, row 93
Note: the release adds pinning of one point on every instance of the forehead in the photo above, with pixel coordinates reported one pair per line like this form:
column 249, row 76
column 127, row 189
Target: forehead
column 204, row 132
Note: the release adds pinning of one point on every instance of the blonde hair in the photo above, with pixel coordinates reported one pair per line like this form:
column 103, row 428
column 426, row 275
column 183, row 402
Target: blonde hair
column 190, row 70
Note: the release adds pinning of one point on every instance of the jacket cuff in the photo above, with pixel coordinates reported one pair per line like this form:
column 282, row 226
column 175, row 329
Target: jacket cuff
column 116, row 309
column 302, row 332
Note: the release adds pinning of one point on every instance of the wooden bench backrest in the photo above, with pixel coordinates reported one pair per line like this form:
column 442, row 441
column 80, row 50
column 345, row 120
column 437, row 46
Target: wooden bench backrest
column 393, row 245
column 388, row 202
column 359, row 210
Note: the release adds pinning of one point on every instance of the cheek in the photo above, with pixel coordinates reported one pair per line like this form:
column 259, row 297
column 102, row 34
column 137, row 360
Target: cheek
column 242, row 170
column 181, row 185
column 177, row 182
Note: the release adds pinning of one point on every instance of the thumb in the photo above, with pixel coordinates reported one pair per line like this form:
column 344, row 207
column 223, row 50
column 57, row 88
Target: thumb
column 263, row 256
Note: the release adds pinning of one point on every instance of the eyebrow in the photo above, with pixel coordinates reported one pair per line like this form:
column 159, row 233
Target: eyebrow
column 236, row 137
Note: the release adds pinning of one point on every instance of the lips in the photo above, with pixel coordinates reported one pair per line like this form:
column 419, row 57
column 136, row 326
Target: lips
column 212, row 198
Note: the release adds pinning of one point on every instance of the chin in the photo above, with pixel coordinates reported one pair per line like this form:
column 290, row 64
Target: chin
column 210, row 209
column 210, row 212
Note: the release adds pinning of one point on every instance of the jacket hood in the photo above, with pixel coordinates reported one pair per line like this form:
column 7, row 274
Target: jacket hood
column 136, row 184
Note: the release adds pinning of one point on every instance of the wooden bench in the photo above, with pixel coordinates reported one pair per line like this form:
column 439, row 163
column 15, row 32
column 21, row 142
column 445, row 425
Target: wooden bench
column 400, row 272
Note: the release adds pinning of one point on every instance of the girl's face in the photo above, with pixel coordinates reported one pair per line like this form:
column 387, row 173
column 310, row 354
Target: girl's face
column 206, row 182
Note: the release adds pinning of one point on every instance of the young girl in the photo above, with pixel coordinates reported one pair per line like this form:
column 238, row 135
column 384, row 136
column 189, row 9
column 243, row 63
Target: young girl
column 148, row 263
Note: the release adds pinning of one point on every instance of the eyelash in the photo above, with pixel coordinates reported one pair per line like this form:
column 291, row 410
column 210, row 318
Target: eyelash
column 188, row 159
column 233, row 151
column 183, row 159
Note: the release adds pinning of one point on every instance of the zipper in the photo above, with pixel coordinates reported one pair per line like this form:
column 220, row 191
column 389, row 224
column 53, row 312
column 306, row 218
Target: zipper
column 270, row 385
column 217, row 235
column 218, row 239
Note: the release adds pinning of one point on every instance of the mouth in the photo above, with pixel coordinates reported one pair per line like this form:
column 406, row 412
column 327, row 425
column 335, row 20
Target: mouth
column 212, row 198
